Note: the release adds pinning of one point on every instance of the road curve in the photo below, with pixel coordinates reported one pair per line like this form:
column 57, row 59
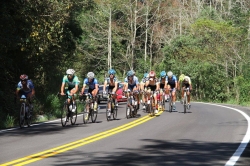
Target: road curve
column 206, row 135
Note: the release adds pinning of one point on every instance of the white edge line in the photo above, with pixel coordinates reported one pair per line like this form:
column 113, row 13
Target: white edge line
column 234, row 158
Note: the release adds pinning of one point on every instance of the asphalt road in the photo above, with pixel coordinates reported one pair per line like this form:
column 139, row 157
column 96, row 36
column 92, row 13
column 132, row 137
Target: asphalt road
column 206, row 135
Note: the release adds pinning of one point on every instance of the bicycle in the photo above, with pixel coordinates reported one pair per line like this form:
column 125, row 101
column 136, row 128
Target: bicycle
column 150, row 106
column 68, row 112
column 111, row 102
column 132, row 104
column 88, row 110
column 186, row 106
column 170, row 101
column 25, row 112
column 162, row 101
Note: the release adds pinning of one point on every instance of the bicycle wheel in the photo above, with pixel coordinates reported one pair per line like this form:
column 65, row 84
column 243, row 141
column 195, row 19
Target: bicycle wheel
column 185, row 103
column 22, row 116
column 115, row 113
column 163, row 102
column 107, row 111
column 28, row 118
column 170, row 104
column 152, row 108
column 73, row 116
column 86, row 113
column 64, row 115
column 93, row 115
column 128, row 110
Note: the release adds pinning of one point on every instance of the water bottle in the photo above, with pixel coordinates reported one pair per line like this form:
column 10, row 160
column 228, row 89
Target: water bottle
column 113, row 105
column 74, row 107
column 91, row 106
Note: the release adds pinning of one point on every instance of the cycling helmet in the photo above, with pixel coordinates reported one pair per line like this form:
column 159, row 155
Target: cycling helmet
column 170, row 74
column 181, row 78
column 90, row 75
column 130, row 73
column 163, row 74
column 145, row 75
column 70, row 71
column 186, row 78
column 112, row 71
column 151, row 74
column 23, row 77
column 133, row 72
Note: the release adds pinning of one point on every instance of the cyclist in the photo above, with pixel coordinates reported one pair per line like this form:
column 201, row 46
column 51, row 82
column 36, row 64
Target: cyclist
column 112, row 83
column 93, row 85
column 153, row 85
column 25, row 87
column 132, row 84
column 73, row 85
column 163, row 83
column 172, row 85
column 185, row 82
column 142, row 87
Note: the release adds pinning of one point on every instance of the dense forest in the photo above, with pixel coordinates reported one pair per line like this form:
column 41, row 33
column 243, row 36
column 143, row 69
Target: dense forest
column 208, row 40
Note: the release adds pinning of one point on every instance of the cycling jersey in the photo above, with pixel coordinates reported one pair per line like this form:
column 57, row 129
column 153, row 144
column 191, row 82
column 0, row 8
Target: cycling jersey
column 71, row 83
column 186, row 83
column 111, row 84
column 133, row 84
column 144, row 80
column 91, row 84
column 25, row 91
column 152, row 84
column 171, row 81
column 162, row 82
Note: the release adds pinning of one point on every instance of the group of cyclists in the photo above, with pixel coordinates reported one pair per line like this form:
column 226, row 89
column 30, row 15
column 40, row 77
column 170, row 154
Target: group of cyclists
column 167, row 82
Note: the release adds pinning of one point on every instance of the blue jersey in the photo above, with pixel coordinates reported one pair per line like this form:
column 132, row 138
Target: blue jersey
column 91, row 84
column 30, row 86
column 133, row 84
column 171, row 81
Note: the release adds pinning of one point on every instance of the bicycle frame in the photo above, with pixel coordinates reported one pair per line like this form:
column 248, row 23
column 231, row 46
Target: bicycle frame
column 170, row 101
column 24, row 116
column 89, row 109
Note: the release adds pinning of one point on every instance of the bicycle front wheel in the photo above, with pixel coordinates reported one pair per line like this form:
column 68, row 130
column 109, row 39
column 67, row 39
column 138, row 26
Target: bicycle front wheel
column 185, row 104
column 64, row 116
column 28, row 118
column 86, row 113
column 128, row 110
column 163, row 102
column 107, row 111
column 170, row 105
column 115, row 113
column 73, row 115
column 93, row 115
column 22, row 116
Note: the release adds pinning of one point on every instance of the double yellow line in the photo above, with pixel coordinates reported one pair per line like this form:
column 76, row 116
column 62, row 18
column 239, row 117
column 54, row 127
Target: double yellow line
column 75, row 144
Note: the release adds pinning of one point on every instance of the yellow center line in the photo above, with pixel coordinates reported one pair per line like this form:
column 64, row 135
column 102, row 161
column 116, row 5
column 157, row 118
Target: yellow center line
column 78, row 143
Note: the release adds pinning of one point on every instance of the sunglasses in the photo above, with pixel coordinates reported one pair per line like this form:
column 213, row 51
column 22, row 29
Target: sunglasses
column 70, row 75
column 23, row 80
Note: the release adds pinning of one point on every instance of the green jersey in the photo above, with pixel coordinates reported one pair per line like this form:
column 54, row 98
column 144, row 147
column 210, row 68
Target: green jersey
column 72, row 83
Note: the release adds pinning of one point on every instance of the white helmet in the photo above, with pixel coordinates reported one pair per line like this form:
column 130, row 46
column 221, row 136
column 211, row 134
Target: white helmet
column 90, row 75
column 70, row 71
column 170, row 74
column 186, row 78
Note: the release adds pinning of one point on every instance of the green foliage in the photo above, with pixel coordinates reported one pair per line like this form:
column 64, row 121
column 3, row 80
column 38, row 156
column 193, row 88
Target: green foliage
column 9, row 121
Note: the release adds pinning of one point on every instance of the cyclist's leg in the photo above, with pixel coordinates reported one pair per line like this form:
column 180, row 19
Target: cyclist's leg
column 173, row 96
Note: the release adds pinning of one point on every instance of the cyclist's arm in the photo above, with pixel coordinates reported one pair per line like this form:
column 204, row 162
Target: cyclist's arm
column 104, row 85
column 83, row 88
